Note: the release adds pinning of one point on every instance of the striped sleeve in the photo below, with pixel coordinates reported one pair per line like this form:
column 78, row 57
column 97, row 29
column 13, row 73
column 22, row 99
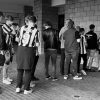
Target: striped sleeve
column 6, row 28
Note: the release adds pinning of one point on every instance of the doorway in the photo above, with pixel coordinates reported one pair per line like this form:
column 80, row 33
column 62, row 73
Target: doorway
column 60, row 21
column 60, row 25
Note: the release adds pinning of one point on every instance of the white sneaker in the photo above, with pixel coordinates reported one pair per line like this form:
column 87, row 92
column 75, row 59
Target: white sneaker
column 9, row 79
column 5, row 81
column 65, row 77
column 27, row 91
column 77, row 78
column 83, row 72
column 18, row 90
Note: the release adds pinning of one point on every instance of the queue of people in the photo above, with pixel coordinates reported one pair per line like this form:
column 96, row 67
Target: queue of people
column 79, row 50
column 75, row 46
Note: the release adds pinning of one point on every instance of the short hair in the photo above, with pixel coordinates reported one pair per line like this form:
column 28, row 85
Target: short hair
column 82, row 29
column 9, row 17
column 30, row 18
column 71, row 23
column 1, row 13
column 92, row 26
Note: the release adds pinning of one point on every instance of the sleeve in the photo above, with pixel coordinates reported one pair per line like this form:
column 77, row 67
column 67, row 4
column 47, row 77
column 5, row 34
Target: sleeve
column 44, row 35
column 37, row 38
column 61, row 33
column 6, row 29
column 77, row 36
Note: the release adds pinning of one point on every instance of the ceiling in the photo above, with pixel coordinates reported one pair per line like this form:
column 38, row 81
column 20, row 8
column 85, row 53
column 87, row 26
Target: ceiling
column 18, row 2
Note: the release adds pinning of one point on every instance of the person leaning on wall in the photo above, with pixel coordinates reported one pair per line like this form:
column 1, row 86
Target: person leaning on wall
column 62, row 60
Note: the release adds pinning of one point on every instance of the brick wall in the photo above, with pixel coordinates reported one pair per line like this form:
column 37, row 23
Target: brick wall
column 84, row 13
column 61, row 10
column 38, row 13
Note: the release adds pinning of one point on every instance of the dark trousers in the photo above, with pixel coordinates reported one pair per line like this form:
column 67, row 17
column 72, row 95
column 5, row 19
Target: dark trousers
column 62, row 61
column 27, row 78
column 84, row 57
column 50, row 53
column 34, row 66
column 72, row 65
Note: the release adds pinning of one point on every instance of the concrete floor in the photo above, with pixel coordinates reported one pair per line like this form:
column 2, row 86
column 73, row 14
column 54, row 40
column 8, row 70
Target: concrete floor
column 86, row 89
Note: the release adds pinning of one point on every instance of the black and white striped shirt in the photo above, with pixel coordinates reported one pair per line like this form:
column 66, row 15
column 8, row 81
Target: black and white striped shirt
column 83, row 44
column 8, row 31
column 29, row 37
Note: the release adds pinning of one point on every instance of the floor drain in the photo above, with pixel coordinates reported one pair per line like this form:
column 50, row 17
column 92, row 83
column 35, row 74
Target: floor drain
column 77, row 96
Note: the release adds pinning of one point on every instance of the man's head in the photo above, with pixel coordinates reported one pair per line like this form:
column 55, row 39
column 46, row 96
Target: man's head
column 1, row 15
column 70, row 23
column 82, row 30
column 92, row 27
column 47, row 25
column 9, row 20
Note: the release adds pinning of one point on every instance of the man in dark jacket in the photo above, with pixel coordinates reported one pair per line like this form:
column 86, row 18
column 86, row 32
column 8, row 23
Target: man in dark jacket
column 91, row 37
column 50, row 49
column 71, row 51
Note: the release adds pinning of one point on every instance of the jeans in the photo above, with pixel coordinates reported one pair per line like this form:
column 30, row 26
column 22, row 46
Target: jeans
column 62, row 61
column 50, row 53
column 91, row 54
column 71, row 62
column 27, row 78
column 84, row 57
column 5, row 71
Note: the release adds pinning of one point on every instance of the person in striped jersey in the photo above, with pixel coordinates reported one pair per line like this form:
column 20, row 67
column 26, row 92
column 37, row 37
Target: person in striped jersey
column 83, row 52
column 28, row 40
column 8, row 31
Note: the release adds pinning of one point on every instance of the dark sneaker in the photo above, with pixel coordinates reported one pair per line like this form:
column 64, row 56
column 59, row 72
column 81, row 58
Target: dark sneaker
column 48, row 77
column 35, row 79
column 54, row 79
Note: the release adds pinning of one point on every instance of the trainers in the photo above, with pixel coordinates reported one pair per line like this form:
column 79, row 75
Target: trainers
column 77, row 77
column 9, row 79
column 18, row 90
column 65, row 77
column 27, row 91
column 83, row 72
column 32, row 85
column 48, row 77
column 54, row 79
column 5, row 81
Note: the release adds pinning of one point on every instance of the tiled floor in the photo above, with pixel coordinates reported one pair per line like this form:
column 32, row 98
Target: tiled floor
column 86, row 89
